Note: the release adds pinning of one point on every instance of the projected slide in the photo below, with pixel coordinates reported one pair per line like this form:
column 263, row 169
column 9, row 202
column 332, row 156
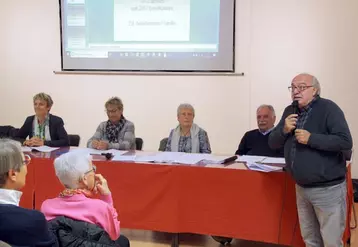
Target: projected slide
column 146, row 20
column 147, row 35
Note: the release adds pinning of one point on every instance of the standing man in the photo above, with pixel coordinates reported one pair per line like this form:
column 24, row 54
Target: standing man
column 314, row 137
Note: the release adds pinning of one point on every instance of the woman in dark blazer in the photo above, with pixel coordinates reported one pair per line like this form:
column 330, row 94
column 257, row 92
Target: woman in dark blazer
column 43, row 128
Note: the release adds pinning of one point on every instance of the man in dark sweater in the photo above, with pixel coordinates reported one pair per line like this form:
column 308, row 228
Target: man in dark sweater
column 255, row 142
column 315, row 136
column 19, row 226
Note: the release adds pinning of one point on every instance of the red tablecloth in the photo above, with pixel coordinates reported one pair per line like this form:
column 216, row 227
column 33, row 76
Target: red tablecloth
column 227, row 202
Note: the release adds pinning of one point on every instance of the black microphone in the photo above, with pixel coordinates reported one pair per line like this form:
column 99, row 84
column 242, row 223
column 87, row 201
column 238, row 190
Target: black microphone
column 294, row 111
column 294, row 107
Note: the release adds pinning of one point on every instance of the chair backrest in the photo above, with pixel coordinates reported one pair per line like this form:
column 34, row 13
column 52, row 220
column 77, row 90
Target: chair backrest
column 74, row 140
column 163, row 144
column 6, row 131
column 138, row 143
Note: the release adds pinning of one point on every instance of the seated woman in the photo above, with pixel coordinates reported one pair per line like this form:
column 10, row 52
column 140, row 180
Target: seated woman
column 43, row 128
column 77, row 173
column 187, row 136
column 19, row 226
column 115, row 133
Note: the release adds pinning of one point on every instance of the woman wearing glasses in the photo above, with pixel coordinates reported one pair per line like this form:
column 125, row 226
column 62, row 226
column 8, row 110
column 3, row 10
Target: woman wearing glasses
column 115, row 133
column 18, row 226
column 75, row 208
column 43, row 128
column 187, row 136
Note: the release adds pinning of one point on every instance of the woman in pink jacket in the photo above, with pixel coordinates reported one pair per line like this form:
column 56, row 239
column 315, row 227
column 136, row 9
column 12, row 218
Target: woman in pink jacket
column 77, row 173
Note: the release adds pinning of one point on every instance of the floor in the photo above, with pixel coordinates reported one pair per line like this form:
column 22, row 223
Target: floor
column 156, row 239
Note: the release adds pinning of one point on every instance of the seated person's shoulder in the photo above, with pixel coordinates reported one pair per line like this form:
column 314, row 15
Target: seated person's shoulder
column 56, row 119
column 252, row 131
column 22, row 216
column 129, row 124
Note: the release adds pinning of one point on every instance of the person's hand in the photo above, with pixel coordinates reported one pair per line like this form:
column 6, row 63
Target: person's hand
column 37, row 142
column 290, row 123
column 102, row 145
column 302, row 136
column 101, row 185
column 28, row 143
column 95, row 144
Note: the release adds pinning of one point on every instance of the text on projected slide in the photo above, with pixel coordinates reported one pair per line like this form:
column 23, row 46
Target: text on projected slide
column 152, row 20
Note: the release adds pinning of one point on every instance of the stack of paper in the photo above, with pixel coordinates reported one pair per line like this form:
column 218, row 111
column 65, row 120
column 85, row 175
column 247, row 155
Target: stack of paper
column 262, row 163
column 43, row 149
column 262, row 167
column 173, row 158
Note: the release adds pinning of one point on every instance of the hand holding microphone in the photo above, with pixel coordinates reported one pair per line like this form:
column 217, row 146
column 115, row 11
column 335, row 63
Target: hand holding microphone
column 290, row 123
column 291, row 120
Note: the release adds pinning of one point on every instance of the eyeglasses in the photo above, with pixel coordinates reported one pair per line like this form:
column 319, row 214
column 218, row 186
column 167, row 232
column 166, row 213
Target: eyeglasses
column 94, row 169
column 111, row 111
column 27, row 159
column 299, row 88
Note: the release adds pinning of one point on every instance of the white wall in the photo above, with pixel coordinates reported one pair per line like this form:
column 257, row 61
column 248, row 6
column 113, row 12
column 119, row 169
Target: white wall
column 276, row 39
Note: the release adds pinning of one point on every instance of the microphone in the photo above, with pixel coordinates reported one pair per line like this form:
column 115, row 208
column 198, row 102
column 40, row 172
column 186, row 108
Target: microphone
column 294, row 107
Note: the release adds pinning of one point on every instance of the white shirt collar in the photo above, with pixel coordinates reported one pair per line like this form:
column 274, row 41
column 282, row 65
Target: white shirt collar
column 266, row 132
column 10, row 197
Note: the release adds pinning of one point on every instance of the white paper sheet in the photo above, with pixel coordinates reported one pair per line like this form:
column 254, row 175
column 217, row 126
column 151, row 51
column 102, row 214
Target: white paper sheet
column 260, row 159
column 44, row 149
column 26, row 149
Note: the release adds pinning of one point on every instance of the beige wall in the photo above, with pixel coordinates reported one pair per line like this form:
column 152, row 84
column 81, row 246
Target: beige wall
column 275, row 40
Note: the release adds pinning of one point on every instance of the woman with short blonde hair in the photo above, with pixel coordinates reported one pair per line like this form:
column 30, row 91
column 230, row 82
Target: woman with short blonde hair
column 43, row 128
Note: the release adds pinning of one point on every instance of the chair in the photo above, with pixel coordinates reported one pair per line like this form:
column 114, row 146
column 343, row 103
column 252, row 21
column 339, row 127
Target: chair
column 163, row 144
column 74, row 140
column 139, row 143
column 6, row 131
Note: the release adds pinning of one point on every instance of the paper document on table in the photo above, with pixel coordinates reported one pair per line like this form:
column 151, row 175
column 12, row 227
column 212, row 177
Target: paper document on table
column 273, row 160
column 119, row 157
column 99, row 152
column 26, row 149
column 44, row 149
column 262, row 167
column 261, row 159
column 212, row 159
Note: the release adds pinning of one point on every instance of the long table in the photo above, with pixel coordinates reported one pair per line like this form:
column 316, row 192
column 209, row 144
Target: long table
column 221, row 201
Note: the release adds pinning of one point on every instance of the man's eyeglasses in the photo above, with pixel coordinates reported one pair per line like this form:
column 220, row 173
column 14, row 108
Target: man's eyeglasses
column 94, row 168
column 299, row 88
column 27, row 159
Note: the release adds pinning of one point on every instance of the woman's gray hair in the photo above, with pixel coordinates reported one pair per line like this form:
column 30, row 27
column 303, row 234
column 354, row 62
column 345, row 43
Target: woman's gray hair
column 71, row 167
column 10, row 158
column 185, row 106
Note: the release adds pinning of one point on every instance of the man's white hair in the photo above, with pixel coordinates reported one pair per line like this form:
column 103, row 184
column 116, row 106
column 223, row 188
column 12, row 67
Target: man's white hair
column 71, row 167
column 270, row 107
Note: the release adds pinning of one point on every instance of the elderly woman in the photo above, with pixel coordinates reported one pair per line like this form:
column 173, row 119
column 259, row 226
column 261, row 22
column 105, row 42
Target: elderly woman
column 187, row 136
column 77, row 174
column 115, row 133
column 19, row 226
column 43, row 128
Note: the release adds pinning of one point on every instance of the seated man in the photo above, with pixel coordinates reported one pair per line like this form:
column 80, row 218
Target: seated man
column 255, row 142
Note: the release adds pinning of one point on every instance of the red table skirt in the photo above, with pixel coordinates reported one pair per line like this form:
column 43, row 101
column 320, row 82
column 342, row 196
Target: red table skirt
column 236, row 203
